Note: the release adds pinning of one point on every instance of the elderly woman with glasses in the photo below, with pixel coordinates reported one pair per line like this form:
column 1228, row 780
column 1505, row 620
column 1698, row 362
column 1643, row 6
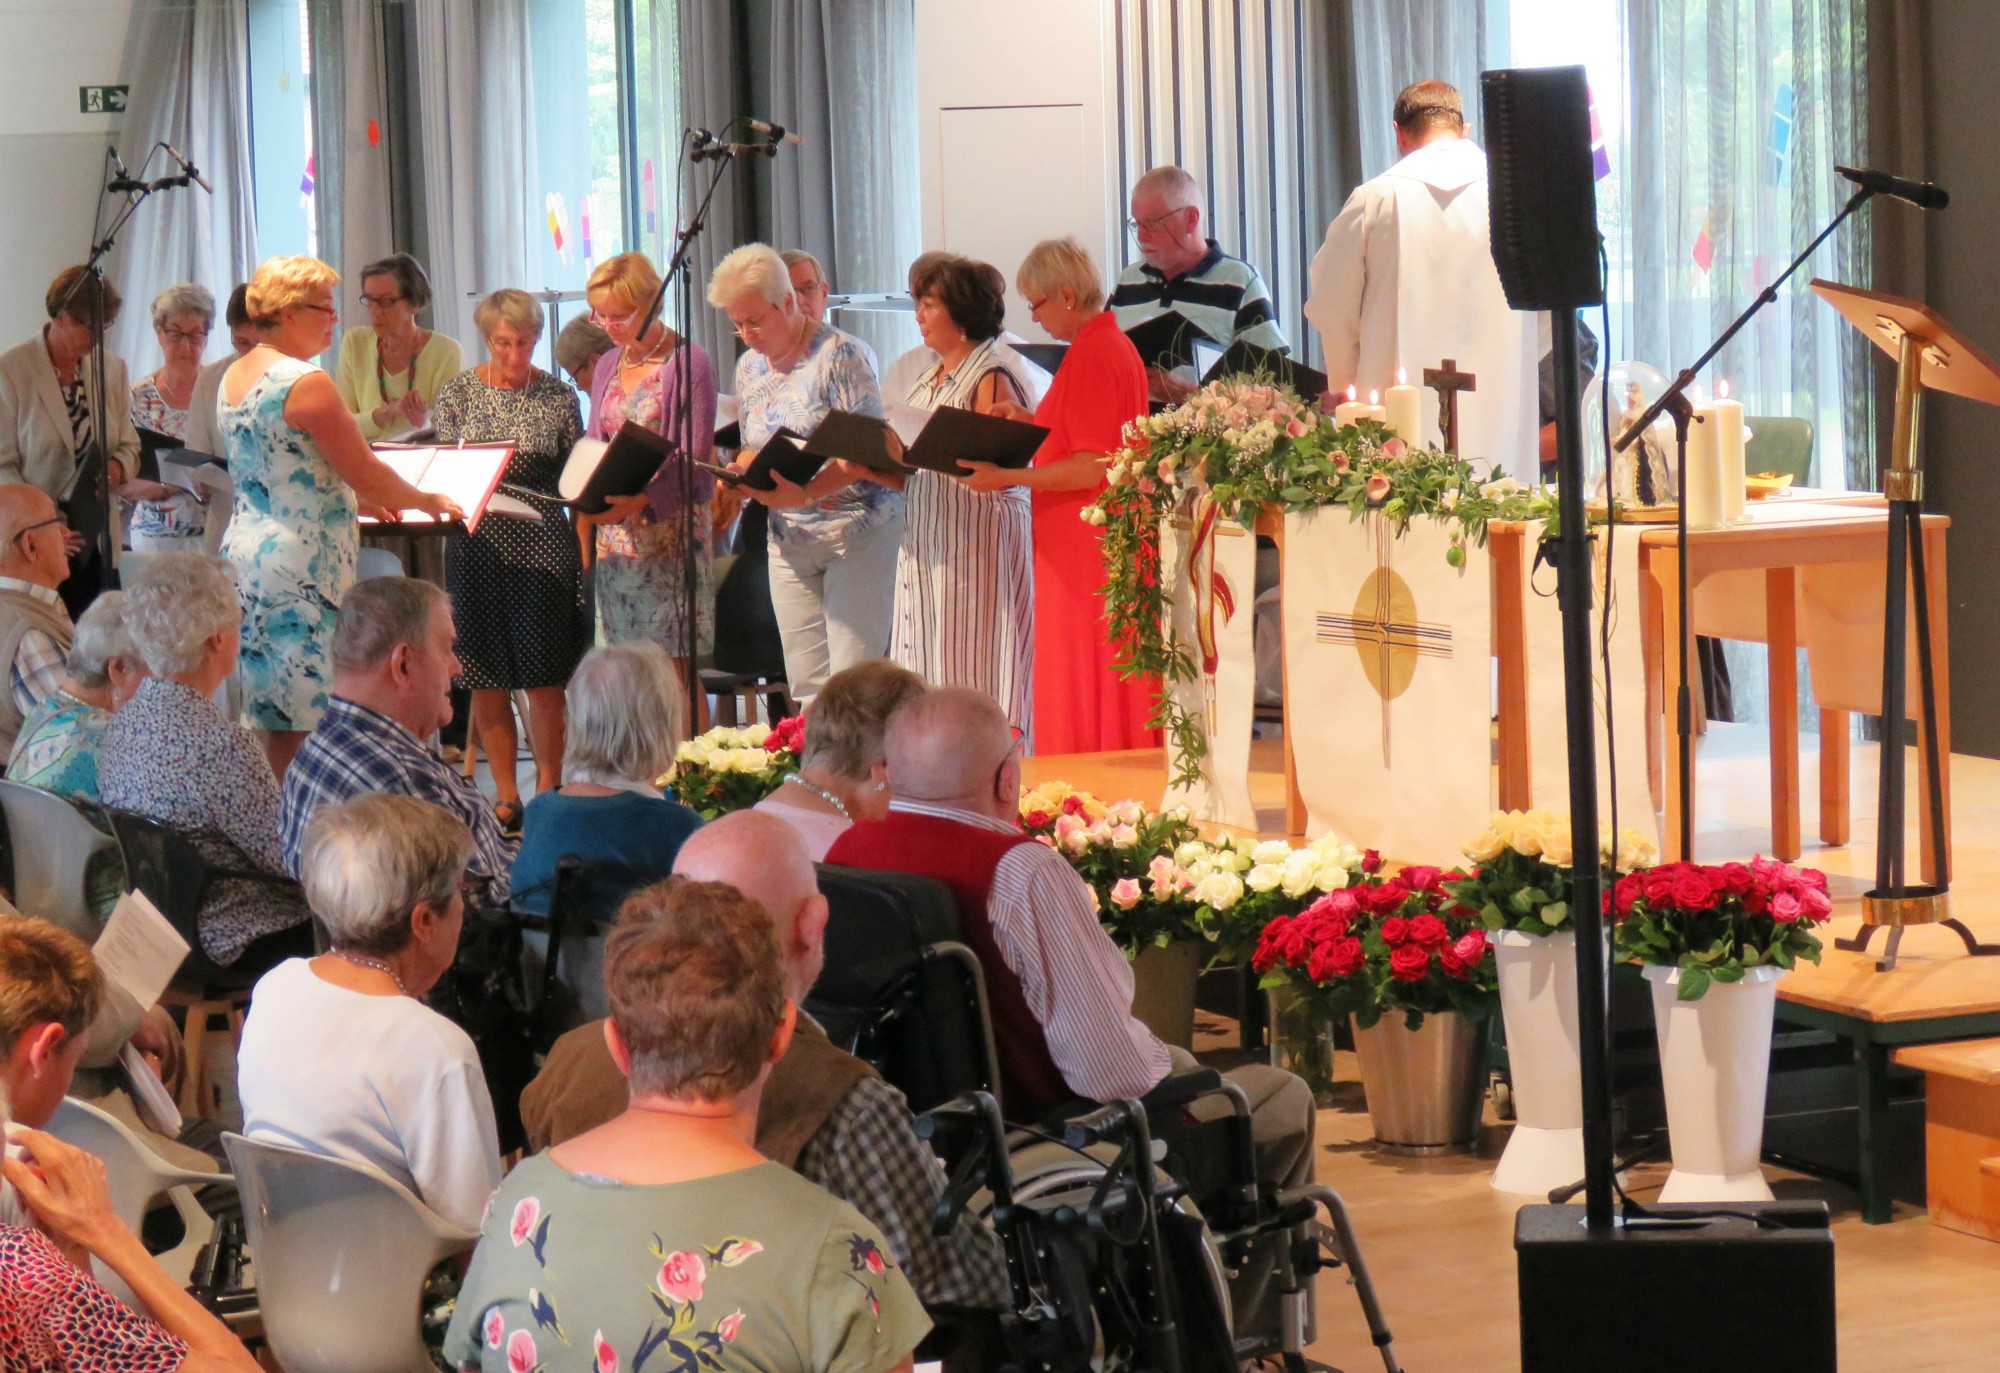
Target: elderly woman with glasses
column 340, row 1055
column 390, row 368
column 1082, row 704
column 163, row 518
column 303, row 473
column 659, row 381
column 56, row 749
column 833, row 541
column 514, row 583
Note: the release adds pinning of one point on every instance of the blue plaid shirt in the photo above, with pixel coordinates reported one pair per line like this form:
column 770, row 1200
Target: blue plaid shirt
column 355, row 750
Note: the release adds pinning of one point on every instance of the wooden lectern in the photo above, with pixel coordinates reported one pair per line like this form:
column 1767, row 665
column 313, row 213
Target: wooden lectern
column 1930, row 356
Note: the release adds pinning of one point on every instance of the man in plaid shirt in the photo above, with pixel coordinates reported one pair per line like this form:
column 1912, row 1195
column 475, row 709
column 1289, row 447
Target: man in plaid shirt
column 392, row 670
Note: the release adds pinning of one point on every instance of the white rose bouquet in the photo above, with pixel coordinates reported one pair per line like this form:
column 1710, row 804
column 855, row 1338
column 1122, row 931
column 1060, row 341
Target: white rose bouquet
column 730, row 769
column 1244, row 884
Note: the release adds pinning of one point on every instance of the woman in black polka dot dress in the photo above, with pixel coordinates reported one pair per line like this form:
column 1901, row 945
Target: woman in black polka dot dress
column 514, row 584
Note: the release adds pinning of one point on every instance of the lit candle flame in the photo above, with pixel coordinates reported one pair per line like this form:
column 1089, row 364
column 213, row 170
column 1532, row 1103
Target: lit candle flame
column 1402, row 375
column 1374, row 397
column 1722, row 389
column 1350, row 393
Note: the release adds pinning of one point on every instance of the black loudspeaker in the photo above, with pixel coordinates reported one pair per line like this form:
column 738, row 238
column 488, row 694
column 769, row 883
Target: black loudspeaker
column 1541, row 190
column 1717, row 1295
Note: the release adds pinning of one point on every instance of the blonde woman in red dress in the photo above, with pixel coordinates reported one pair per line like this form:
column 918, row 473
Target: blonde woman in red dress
column 1082, row 705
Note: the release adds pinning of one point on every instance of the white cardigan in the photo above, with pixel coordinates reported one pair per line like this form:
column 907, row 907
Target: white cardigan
column 36, row 445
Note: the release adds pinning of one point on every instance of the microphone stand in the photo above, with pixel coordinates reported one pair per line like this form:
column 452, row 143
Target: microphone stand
column 1674, row 399
column 679, row 275
column 94, row 465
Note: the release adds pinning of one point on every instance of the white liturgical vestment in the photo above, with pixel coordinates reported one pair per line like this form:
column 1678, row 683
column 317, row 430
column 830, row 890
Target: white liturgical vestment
column 1406, row 279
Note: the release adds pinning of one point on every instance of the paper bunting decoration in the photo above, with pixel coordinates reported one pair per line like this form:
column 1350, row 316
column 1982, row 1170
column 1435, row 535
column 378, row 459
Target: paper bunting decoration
column 1778, row 152
column 583, row 228
column 652, row 197
column 1600, row 156
column 306, row 184
column 1704, row 246
column 374, row 134
column 559, row 226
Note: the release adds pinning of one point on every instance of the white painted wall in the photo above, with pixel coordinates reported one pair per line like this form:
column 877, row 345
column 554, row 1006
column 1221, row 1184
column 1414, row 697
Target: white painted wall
column 50, row 154
column 1016, row 127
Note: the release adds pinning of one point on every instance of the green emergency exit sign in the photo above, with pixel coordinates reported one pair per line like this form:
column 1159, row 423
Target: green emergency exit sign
column 102, row 99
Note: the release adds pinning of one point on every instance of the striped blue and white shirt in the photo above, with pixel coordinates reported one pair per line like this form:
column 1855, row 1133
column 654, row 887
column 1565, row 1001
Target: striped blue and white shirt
column 1223, row 296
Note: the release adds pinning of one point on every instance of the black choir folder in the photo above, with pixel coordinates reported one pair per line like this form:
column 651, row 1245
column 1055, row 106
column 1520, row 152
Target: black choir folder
column 598, row 470
column 784, row 453
column 1167, row 341
column 936, row 441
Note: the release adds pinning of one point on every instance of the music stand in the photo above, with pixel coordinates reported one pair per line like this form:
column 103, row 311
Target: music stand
column 1930, row 356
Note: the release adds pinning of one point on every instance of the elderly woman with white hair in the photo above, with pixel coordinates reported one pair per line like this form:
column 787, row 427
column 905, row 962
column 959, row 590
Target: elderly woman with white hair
column 834, row 540
column 171, row 755
column 625, row 721
column 162, row 518
column 340, row 1056
column 57, row 747
column 514, row 583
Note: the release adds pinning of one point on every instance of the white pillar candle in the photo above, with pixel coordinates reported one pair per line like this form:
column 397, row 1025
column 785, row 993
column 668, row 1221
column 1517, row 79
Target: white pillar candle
column 1403, row 406
column 1348, row 411
column 1701, row 484
column 1729, row 456
column 1375, row 410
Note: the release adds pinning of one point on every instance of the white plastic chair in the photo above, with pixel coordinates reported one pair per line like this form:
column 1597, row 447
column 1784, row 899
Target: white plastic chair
column 137, row 1177
column 377, row 562
column 52, row 846
column 340, row 1252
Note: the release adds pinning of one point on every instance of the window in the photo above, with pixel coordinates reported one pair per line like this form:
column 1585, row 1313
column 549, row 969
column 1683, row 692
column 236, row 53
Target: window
column 281, row 132
column 580, row 164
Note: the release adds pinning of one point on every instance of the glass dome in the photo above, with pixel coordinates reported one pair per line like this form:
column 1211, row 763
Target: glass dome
column 1632, row 386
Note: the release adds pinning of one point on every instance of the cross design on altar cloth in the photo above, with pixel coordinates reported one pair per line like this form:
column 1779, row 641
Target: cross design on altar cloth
column 1448, row 381
column 1388, row 636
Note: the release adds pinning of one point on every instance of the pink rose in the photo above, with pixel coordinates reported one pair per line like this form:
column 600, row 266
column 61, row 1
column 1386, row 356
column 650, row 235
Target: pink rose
column 1471, row 946
column 682, row 1275
column 1377, row 489
column 1818, row 905
column 494, row 1329
column 526, row 1212
column 1125, row 893
column 521, row 1352
column 1297, row 429
column 1394, row 448
column 606, row 1360
column 726, row 1328
column 1785, row 908
column 1425, row 879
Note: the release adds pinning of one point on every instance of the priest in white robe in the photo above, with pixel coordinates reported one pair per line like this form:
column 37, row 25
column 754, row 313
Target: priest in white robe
column 1406, row 279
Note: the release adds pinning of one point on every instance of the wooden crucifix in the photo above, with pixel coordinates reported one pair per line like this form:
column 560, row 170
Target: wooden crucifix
column 1448, row 381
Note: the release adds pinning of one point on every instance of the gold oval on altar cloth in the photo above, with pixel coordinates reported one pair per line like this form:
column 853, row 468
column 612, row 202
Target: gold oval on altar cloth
column 1386, row 633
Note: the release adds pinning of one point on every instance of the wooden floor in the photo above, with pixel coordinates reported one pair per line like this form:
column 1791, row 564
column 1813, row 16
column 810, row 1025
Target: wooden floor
column 1439, row 1240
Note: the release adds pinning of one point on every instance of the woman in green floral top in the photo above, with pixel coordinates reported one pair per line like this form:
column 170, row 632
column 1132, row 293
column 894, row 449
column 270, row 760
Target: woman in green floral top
column 56, row 749
column 649, row 1244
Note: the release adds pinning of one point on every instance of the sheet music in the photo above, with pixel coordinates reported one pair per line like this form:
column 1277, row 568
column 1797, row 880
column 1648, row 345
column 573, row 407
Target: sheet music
column 139, row 950
column 727, row 411
column 907, row 420
column 467, row 473
column 149, row 1095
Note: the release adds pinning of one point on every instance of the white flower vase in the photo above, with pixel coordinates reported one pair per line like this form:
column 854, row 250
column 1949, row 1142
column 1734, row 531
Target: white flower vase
column 1538, row 1001
column 1715, row 1062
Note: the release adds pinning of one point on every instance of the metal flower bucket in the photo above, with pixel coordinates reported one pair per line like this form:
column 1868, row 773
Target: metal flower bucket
column 1426, row 1087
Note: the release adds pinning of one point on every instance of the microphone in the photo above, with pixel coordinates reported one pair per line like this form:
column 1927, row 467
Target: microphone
column 701, row 138
column 1922, row 194
column 188, row 168
column 775, row 132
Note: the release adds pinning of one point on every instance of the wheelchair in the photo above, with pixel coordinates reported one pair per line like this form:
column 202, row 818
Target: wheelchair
column 1122, row 1223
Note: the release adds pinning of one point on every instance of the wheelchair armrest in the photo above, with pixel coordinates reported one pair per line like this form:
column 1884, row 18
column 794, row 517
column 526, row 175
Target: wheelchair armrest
column 1178, row 1089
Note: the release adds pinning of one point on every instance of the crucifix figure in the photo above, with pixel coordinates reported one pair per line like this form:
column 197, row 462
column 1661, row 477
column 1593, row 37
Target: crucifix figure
column 1448, row 381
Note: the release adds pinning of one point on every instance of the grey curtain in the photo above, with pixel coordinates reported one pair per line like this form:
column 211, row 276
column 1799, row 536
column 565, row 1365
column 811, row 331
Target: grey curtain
column 352, row 170
column 188, row 66
column 841, row 74
column 477, row 136
column 1397, row 42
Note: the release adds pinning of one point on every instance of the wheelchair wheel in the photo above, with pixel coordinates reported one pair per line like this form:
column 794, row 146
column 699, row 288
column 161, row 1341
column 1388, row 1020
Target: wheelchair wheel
column 1050, row 1176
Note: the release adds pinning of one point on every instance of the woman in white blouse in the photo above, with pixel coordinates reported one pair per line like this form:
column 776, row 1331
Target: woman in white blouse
column 340, row 1056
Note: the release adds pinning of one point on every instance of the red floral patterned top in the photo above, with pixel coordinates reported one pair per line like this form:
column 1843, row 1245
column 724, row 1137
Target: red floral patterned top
column 56, row 1319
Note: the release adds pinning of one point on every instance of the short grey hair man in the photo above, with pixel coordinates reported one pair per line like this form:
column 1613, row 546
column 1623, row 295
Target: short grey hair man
column 625, row 715
column 182, row 601
column 379, row 614
column 370, row 860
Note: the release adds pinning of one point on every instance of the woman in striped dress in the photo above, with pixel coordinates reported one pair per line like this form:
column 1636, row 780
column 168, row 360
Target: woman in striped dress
column 965, row 597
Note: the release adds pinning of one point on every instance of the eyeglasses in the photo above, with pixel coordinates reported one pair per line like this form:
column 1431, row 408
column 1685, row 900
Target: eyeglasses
column 184, row 335
column 1035, row 306
column 745, row 328
column 604, row 321
column 381, row 302
column 1145, row 226
column 21, row 534
column 331, row 312
column 811, row 288
column 1008, row 756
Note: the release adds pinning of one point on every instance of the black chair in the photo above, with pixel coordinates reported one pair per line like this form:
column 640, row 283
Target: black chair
column 899, row 990
column 171, row 872
column 749, row 656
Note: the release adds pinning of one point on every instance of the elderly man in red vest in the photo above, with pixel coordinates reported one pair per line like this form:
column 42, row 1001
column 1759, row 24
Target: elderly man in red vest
column 1059, row 990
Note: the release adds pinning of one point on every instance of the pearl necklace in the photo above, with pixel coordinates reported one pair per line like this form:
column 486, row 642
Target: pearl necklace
column 821, row 792
column 363, row 961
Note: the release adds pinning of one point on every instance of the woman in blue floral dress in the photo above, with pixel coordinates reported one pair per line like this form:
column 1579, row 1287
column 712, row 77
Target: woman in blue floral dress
column 302, row 473
column 662, row 1240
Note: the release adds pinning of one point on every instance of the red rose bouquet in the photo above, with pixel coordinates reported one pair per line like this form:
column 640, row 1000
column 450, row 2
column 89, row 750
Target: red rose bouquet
column 1400, row 943
column 1712, row 921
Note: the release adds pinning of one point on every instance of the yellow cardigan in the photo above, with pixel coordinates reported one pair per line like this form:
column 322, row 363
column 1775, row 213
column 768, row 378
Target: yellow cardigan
column 354, row 376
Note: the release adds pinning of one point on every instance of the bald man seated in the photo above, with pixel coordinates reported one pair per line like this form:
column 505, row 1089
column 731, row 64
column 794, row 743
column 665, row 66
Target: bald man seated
column 1058, row 989
column 825, row 1114
column 35, row 628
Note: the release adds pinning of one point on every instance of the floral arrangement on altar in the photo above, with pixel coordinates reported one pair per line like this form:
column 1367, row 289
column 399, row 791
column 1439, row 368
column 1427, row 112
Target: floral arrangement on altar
column 1714, row 921
column 1400, row 944
column 1243, row 443
column 1525, row 868
column 732, row 768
